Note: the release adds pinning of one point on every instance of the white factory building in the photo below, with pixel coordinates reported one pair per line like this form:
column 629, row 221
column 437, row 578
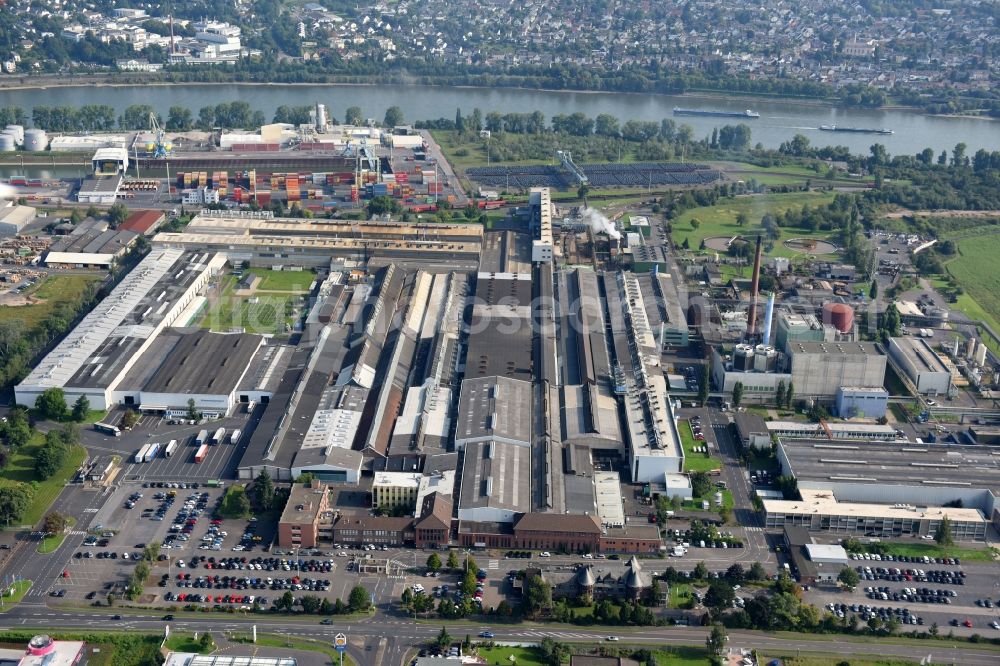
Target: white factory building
column 921, row 365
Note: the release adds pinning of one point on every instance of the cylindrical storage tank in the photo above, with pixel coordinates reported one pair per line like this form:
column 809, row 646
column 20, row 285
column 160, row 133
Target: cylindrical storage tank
column 7, row 143
column 970, row 348
column 743, row 358
column 765, row 358
column 839, row 315
column 35, row 140
column 17, row 131
column 981, row 355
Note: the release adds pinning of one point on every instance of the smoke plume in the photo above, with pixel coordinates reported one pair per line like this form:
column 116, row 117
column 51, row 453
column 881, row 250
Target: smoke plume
column 599, row 223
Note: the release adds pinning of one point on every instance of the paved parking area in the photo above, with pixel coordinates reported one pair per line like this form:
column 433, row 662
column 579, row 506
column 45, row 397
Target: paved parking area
column 220, row 463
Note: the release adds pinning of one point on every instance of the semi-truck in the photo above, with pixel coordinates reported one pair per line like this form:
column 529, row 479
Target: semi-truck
column 235, row 437
column 200, row 454
column 140, row 456
column 201, row 437
column 171, row 447
column 154, row 448
column 219, row 435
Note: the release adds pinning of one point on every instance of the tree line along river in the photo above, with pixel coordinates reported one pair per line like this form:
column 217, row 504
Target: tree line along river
column 779, row 120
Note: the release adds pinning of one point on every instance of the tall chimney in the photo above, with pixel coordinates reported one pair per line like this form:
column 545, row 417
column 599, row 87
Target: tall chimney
column 172, row 49
column 752, row 315
column 768, row 319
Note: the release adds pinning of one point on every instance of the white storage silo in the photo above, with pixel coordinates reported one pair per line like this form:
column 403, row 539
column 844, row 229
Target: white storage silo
column 17, row 131
column 35, row 140
column 7, row 143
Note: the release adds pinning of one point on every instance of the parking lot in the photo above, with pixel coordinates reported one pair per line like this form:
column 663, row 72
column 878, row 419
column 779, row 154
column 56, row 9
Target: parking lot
column 220, row 462
column 944, row 592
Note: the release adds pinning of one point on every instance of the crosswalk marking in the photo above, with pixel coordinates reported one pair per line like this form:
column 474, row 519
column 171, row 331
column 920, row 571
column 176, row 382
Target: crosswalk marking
column 493, row 564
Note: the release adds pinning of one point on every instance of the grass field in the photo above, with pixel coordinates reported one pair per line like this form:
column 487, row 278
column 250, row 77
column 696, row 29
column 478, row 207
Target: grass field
column 294, row 282
column 682, row 656
column 184, row 643
column 934, row 550
column 51, row 543
column 975, row 270
column 52, row 290
column 522, row 656
column 294, row 643
column 695, row 462
column 21, row 467
column 20, row 588
column 826, row 660
column 720, row 220
column 680, row 595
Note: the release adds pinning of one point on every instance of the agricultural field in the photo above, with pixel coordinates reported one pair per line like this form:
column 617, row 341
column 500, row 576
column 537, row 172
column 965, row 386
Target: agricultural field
column 975, row 271
column 45, row 296
column 720, row 220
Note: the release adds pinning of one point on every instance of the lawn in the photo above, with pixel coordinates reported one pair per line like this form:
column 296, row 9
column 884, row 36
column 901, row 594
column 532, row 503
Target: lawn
column 934, row 550
column 974, row 269
column 522, row 656
column 184, row 643
column 695, row 462
column 266, row 314
column 294, row 643
column 295, row 282
column 828, row 659
column 720, row 220
column 52, row 290
column 20, row 588
column 682, row 656
column 21, row 467
column 680, row 596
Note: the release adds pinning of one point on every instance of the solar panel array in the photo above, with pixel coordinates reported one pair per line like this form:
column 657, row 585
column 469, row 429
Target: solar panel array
column 639, row 174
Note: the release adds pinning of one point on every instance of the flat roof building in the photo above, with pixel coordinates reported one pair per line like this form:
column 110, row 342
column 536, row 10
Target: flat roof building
column 495, row 483
column 494, row 409
column 96, row 355
column 751, row 430
column 921, row 365
column 307, row 507
column 833, row 430
column 14, row 218
column 819, row 368
column 395, row 489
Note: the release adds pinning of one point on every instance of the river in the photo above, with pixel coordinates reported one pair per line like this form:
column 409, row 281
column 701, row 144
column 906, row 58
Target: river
column 780, row 119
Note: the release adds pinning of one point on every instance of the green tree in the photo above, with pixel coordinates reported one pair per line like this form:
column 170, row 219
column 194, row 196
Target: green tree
column 742, row 219
column 152, row 551
column 779, row 393
column 206, row 642
column 129, row 419
column 54, row 522
column 263, row 491
column 756, row 572
column 720, row 596
column 117, row 214
column 849, row 578
column 393, row 117
column 452, row 560
column 81, row 408
column 695, row 223
column 50, row 456
column 179, row 119
column 285, row 602
column 353, row 116
column 15, row 497
column 443, row 639
column 310, row 603
column 193, row 414
column 943, row 534
column 235, row 503
column 716, row 641
column 873, row 290
column 703, row 384
column 537, row 596
column 51, row 404
column 325, row 607
column 789, row 395
column 701, row 485
column 359, row 600
column 381, row 205
column 700, row 571
column 737, row 394
column 434, row 562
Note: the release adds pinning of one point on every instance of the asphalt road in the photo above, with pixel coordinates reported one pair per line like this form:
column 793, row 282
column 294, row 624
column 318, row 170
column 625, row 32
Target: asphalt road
column 384, row 641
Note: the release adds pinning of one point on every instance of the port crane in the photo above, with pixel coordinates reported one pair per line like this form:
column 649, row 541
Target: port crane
column 159, row 147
